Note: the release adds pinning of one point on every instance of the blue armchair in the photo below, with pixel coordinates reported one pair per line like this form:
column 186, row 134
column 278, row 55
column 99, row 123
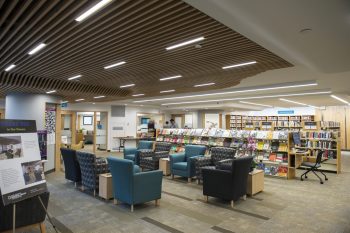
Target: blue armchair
column 183, row 164
column 134, row 187
column 133, row 153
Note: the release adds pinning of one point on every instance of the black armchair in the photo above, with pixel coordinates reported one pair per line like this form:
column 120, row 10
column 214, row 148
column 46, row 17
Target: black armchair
column 227, row 184
column 149, row 159
column 71, row 165
column 217, row 154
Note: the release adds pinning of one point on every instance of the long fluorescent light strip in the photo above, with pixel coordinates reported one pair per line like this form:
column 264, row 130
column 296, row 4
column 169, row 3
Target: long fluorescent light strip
column 295, row 102
column 238, row 65
column 138, row 95
column 49, row 92
column 92, row 10
column 172, row 77
column 79, row 100
column 204, row 84
column 75, row 77
column 230, row 92
column 99, row 97
column 185, row 43
column 340, row 99
column 167, row 91
column 114, row 65
column 248, row 98
column 128, row 85
column 37, row 49
column 10, row 67
column 263, row 105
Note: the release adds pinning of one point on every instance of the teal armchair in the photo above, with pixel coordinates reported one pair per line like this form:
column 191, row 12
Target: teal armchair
column 131, row 186
column 183, row 164
column 133, row 153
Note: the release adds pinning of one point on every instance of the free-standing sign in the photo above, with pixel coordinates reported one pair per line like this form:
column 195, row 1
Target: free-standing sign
column 21, row 171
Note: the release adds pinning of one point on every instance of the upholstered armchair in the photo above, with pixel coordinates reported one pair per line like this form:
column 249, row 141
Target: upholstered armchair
column 217, row 154
column 131, row 186
column 71, row 165
column 91, row 167
column 228, row 184
column 182, row 164
column 133, row 153
column 149, row 159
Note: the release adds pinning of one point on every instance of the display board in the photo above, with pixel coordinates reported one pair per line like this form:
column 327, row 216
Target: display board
column 21, row 170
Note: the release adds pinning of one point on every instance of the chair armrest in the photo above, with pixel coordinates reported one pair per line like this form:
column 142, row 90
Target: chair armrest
column 161, row 154
column 147, row 186
column 146, row 153
column 128, row 151
column 201, row 162
column 191, row 164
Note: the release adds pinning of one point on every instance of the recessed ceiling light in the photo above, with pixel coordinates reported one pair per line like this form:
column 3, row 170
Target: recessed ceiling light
column 138, row 95
column 340, row 99
column 263, row 105
column 286, row 86
column 10, row 67
column 93, row 103
column 166, row 91
column 92, row 10
column 204, row 84
column 185, row 43
column 79, row 100
column 99, row 97
column 238, row 65
column 248, row 98
column 49, row 92
column 295, row 102
column 74, row 77
column 128, row 85
column 141, row 105
column 114, row 65
column 37, row 49
column 172, row 77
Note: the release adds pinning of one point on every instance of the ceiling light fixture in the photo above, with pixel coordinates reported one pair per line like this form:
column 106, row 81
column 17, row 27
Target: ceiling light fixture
column 114, row 65
column 295, row 102
column 49, row 92
column 203, row 84
column 10, row 67
column 138, row 95
column 79, row 100
column 37, row 49
column 286, row 86
column 340, row 99
column 74, row 77
column 185, row 43
column 92, row 10
column 167, row 91
column 248, row 98
column 172, row 77
column 99, row 97
column 127, row 85
column 238, row 65
column 263, row 105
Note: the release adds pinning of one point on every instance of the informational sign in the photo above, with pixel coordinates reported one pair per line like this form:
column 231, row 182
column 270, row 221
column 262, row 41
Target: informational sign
column 64, row 105
column 286, row 112
column 21, row 170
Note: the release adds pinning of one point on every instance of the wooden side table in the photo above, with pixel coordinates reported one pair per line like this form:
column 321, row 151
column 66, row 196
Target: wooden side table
column 164, row 165
column 105, row 186
column 255, row 182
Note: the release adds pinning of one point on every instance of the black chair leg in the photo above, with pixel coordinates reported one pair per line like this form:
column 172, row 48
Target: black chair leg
column 321, row 181
column 304, row 174
column 325, row 177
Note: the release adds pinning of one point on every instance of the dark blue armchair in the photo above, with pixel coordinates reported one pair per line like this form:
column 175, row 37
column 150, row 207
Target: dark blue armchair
column 183, row 164
column 71, row 165
column 131, row 186
column 133, row 153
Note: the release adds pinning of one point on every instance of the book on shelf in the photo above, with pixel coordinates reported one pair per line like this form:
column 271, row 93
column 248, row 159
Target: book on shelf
column 212, row 132
column 266, row 146
column 274, row 145
column 198, row 132
column 219, row 133
column 272, row 157
column 260, row 145
column 226, row 133
column 205, row 132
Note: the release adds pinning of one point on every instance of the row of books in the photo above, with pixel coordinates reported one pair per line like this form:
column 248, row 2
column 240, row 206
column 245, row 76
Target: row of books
column 271, row 157
column 288, row 124
column 330, row 124
column 320, row 135
column 327, row 154
column 256, row 134
column 273, row 170
column 319, row 144
column 273, row 146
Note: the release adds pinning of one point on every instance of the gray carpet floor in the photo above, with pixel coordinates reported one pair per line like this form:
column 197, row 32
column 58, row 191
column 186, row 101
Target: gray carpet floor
column 284, row 206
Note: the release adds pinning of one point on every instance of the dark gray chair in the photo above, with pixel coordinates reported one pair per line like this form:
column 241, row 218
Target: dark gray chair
column 71, row 165
column 313, row 167
column 149, row 159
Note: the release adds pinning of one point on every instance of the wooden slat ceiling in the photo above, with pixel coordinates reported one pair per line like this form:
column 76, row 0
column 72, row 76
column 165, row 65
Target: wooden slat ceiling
column 134, row 31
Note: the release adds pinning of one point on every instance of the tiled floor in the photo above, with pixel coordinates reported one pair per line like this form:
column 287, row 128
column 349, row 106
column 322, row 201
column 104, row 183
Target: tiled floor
column 284, row 206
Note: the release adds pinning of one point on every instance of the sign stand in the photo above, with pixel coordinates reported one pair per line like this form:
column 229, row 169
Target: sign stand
column 47, row 213
column 14, row 218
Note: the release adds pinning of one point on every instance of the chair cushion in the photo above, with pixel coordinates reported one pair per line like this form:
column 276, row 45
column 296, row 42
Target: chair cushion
column 180, row 166
column 130, row 157
column 309, row 164
column 136, row 169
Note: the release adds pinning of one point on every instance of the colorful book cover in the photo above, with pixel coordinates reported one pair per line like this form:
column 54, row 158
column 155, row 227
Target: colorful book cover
column 205, row 132
column 212, row 132
column 226, row 133
column 272, row 157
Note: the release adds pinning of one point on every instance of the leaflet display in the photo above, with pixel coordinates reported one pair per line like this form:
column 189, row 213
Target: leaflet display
column 21, row 170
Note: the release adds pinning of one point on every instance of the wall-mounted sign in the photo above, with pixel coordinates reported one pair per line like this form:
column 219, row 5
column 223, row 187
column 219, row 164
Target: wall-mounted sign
column 286, row 112
column 64, row 105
